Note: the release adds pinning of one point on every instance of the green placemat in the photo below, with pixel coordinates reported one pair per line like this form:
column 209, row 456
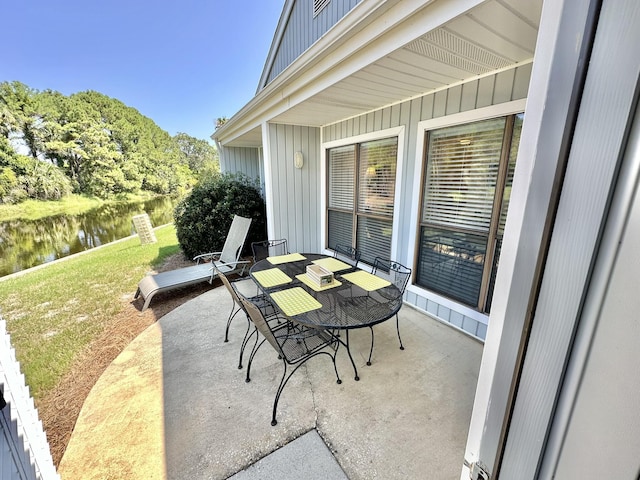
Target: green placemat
column 295, row 301
column 332, row 264
column 304, row 278
column 290, row 257
column 366, row 280
column 271, row 277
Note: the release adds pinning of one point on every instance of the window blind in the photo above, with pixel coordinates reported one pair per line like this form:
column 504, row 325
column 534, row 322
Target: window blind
column 373, row 238
column 340, row 228
column 377, row 176
column 342, row 162
column 361, row 192
column 462, row 171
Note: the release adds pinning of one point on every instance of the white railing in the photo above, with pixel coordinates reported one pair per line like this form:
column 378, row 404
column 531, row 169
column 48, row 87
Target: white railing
column 24, row 450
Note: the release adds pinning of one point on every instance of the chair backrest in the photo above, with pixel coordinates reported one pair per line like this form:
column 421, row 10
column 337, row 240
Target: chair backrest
column 347, row 253
column 227, row 284
column 235, row 239
column 269, row 248
column 256, row 316
column 393, row 271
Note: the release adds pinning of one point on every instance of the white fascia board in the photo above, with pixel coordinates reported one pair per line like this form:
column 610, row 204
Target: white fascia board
column 345, row 49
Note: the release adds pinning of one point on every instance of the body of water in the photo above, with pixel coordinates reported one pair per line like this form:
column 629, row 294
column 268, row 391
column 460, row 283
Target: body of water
column 28, row 243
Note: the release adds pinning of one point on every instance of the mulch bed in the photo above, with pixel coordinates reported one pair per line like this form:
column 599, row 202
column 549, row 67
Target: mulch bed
column 60, row 408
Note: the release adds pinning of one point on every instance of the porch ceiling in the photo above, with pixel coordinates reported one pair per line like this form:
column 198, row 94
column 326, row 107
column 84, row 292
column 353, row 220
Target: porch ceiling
column 492, row 36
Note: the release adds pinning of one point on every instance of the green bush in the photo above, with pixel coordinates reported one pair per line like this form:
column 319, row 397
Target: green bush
column 203, row 218
column 44, row 181
column 8, row 185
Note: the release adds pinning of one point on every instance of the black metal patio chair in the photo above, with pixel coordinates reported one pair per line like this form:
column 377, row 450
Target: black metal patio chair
column 397, row 274
column 268, row 248
column 295, row 346
column 261, row 301
column 347, row 253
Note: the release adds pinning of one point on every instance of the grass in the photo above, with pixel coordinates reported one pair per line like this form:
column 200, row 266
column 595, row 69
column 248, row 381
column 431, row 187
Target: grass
column 54, row 312
column 69, row 205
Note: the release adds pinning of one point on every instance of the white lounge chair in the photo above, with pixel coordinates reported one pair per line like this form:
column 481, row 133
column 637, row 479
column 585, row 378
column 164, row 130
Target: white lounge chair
column 227, row 261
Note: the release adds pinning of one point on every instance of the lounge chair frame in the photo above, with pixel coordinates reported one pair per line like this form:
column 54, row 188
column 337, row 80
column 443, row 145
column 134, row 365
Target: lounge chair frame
column 228, row 261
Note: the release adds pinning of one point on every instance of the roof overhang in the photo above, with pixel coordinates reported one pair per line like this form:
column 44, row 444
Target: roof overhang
column 386, row 52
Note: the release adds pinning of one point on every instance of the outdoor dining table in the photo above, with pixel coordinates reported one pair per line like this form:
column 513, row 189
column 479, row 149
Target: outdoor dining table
column 354, row 299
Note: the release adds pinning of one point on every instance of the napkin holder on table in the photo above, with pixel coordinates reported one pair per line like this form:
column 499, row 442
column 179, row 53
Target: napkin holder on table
column 321, row 276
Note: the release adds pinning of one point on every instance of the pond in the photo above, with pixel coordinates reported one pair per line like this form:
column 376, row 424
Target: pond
column 28, row 243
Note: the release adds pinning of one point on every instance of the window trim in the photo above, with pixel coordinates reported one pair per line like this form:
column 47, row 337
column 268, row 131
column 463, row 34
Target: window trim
column 398, row 132
column 499, row 110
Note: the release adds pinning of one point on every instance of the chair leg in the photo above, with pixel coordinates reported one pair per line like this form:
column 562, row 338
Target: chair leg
column 283, row 382
column 371, row 350
column 254, row 350
column 398, row 330
column 232, row 315
column 245, row 340
column 285, row 379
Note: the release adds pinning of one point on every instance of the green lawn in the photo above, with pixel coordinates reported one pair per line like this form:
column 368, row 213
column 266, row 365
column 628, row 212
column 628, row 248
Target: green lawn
column 54, row 312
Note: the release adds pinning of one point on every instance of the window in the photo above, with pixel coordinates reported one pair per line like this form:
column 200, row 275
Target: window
column 466, row 189
column 360, row 191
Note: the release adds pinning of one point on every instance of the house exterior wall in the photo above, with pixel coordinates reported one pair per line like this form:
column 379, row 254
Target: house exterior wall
column 295, row 197
column 293, row 194
column 502, row 87
column 303, row 30
column 241, row 160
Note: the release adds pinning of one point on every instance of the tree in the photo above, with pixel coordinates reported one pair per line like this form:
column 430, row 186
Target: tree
column 104, row 147
column 21, row 120
column 201, row 157
column 44, row 181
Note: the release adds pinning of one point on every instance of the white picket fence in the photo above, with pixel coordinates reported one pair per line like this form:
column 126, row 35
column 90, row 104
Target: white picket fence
column 24, row 450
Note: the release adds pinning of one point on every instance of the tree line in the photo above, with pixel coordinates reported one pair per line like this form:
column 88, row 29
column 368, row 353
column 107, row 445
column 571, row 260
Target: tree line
column 87, row 143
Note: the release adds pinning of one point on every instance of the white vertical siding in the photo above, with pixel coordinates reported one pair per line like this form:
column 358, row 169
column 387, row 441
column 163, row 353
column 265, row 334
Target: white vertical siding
column 24, row 450
column 494, row 89
column 303, row 30
column 295, row 194
column 241, row 160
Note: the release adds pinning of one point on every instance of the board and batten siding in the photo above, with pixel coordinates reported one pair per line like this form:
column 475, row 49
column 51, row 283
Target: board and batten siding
column 302, row 30
column 502, row 87
column 245, row 160
column 294, row 193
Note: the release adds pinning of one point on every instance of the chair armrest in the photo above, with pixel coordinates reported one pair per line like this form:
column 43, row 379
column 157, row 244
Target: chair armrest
column 244, row 264
column 206, row 256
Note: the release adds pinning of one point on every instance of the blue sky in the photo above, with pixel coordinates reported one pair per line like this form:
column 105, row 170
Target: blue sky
column 182, row 64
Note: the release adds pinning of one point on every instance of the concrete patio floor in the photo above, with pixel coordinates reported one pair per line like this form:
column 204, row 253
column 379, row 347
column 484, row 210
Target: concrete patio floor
column 174, row 405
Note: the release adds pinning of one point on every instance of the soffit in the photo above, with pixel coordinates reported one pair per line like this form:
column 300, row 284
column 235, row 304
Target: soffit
column 493, row 36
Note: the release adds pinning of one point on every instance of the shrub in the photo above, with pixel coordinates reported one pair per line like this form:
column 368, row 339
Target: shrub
column 8, row 185
column 44, row 181
column 203, row 218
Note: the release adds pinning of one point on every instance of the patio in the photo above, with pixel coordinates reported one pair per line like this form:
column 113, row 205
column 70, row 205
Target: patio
column 174, row 405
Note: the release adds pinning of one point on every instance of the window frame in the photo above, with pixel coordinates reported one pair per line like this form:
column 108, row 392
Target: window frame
column 398, row 132
column 485, row 113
